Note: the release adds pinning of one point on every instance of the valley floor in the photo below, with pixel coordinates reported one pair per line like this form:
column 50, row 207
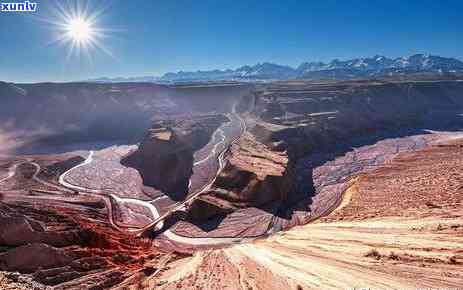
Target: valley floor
column 399, row 226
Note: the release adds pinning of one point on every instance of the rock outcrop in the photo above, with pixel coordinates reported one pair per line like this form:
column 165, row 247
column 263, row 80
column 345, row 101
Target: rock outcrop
column 16, row 281
column 94, row 256
column 305, row 118
column 165, row 156
column 18, row 231
column 295, row 120
column 254, row 176
column 32, row 257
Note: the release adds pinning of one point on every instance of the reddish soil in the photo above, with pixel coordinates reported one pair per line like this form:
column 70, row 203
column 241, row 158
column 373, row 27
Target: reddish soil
column 330, row 179
column 83, row 250
column 63, row 239
column 399, row 226
column 425, row 183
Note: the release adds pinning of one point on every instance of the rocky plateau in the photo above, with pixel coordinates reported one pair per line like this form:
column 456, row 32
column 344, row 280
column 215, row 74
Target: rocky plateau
column 289, row 184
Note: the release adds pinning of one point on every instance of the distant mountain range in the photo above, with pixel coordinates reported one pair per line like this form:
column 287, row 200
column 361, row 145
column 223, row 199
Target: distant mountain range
column 377, row 66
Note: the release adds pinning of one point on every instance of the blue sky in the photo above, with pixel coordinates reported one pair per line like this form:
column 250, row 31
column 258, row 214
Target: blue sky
column 153, row 37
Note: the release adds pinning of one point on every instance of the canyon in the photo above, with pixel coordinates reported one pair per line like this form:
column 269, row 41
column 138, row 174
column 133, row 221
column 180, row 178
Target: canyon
column 294, row 184
column 165, row 156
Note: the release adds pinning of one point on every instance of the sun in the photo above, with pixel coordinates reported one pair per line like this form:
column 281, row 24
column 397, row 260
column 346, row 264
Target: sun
column 77, row 27
column 79, row 30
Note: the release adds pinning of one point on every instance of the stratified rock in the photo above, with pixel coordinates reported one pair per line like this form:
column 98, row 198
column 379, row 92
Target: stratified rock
column 16, row 231
column 31, row 257
column 304, row 118
column 93, row 112
column 17, row 281
column 253, row 176
column 165, row 157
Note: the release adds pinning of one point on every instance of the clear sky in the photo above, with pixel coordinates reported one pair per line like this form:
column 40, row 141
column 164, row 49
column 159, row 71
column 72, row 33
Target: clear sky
column 152, row 37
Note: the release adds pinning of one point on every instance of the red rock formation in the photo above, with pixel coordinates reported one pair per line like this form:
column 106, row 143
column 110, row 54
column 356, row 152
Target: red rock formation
column 32, row 237
column 31, row 257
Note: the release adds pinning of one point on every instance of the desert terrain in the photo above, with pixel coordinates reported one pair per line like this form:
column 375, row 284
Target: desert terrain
column 293, row 185
column 398, row 226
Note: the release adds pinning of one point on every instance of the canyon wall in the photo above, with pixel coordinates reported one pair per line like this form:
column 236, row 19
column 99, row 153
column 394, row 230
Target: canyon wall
column 314, row 117
column 165, row 156
column 293, row 120
column 56, row 113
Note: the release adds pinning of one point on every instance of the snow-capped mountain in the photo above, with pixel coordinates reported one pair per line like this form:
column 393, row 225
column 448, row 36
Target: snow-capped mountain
column 268, row 71
column 258, row 71
column 375, row 66
column 380, row 64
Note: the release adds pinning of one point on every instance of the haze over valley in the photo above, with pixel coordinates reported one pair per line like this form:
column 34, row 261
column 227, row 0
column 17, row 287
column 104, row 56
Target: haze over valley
column 338, row 173
column 177, row 170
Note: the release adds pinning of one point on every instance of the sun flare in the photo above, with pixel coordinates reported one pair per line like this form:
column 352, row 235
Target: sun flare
column 79, row 29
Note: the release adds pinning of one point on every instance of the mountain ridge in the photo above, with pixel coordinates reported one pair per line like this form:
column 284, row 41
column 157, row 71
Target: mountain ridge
column 365, row 67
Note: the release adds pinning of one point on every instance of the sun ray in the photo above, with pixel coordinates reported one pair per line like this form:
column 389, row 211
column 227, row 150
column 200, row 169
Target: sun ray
column 76, row 26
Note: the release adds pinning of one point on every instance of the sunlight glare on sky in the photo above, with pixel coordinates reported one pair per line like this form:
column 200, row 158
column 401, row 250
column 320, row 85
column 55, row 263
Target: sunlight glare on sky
column 137, row 38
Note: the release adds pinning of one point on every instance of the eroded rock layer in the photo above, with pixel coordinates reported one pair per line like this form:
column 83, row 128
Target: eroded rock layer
column 61, row 245
column 165, row 156
column 396, row 228
column 295, row 128
column 340, row 156
column 56, row 114
column 305, row 118
column 253, row 176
